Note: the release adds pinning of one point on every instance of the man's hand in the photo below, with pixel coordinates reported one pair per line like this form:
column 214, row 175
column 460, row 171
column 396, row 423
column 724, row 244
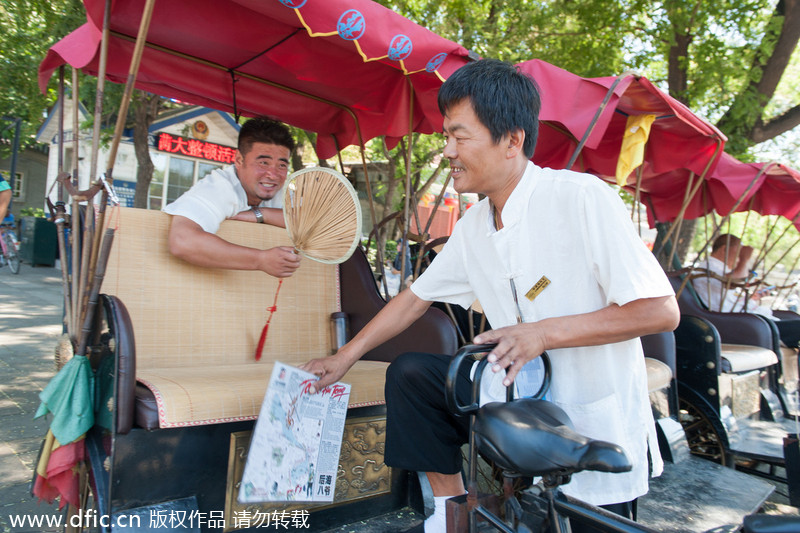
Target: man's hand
column 280, row 261
column 516, row 345
column 329, row 370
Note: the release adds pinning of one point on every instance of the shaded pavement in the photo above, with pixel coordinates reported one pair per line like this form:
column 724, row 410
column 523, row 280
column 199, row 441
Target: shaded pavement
column 30, row 324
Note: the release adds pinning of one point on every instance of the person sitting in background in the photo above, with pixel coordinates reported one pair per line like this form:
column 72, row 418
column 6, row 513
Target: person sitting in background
column 729, row 261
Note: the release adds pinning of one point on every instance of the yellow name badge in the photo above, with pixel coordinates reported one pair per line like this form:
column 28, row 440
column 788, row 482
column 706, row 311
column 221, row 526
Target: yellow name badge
column 537, row 288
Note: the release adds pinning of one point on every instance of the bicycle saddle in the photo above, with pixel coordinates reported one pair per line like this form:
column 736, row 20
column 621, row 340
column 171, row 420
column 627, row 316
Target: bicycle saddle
column 535, row 438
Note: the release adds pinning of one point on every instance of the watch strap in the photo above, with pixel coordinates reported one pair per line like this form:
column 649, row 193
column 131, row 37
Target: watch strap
column 257, row 213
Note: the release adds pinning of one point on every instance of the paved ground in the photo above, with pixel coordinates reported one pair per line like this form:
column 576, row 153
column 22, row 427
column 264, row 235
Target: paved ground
column 30, row 324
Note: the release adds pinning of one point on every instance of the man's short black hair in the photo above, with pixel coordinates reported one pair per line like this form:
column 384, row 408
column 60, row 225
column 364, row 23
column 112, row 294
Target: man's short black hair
column 723, row 240
column 264, row 130
column 503, row 98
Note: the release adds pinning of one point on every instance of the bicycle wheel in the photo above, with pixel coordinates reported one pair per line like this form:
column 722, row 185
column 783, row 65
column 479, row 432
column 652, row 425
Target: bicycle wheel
column 12, row 257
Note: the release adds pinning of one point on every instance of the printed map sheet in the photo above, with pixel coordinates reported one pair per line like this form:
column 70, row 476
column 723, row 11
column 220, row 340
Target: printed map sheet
column 294, row 451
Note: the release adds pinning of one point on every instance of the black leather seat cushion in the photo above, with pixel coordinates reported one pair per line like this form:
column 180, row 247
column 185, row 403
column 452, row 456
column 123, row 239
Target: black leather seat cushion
column 535, row 437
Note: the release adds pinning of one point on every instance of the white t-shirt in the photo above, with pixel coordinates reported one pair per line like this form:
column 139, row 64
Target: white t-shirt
column 711, row 291
column 573, row 230
column 216, row 197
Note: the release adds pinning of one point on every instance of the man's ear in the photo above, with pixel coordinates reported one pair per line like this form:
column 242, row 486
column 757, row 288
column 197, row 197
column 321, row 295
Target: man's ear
column 516, row 139
column 238, row 159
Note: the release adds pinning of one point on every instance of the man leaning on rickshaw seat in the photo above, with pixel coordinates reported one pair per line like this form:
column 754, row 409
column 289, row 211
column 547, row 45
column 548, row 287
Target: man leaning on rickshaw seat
column 250, row 190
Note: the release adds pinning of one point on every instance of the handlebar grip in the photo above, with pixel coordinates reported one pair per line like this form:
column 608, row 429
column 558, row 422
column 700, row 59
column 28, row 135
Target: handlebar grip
column 469, row 351
column 452, row 377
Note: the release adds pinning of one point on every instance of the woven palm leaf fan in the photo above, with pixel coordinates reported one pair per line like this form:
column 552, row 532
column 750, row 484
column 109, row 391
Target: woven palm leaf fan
column 322, row 214
column 323, row 218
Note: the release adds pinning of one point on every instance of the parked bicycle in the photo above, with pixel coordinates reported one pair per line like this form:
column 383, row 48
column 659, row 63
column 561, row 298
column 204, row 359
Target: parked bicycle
column 531, row 437
column 9, row 246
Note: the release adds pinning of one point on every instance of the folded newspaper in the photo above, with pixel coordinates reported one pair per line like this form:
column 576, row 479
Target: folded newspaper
column 294, row 450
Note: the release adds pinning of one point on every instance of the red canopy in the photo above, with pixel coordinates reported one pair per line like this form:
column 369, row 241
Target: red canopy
column 316, row 64
column 766, row 188
column 570, row 104
column 775, row 190
column 595, row 111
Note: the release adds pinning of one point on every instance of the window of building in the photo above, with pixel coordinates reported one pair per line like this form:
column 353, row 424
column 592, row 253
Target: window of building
column 18, row 187
column 174, row 175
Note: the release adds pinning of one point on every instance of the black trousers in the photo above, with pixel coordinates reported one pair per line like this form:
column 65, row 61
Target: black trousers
column 421, row 434
column 789, row 332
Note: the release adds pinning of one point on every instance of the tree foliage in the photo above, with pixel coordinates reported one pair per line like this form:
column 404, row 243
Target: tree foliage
column 27, row 30
column 722, row 58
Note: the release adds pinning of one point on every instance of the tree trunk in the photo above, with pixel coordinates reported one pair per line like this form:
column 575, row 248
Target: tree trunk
column 744, row 122
column 145, row 110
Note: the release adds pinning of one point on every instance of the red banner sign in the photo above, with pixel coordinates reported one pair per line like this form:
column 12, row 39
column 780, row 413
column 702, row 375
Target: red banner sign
column 194, row 148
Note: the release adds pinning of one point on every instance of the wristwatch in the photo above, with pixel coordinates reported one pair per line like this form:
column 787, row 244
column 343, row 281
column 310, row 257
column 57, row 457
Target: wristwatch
column 257, row 213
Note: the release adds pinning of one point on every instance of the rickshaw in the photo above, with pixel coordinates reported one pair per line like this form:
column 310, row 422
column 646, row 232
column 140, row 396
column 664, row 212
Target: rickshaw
column 348, row 71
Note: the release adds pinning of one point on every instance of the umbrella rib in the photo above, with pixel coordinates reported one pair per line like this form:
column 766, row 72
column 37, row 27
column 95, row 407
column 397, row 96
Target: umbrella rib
column 267, row 50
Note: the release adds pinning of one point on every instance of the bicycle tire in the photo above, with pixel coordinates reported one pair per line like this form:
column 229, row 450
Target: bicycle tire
column 12, row 257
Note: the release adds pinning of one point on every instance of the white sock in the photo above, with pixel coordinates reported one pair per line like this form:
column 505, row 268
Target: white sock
column 437, row 522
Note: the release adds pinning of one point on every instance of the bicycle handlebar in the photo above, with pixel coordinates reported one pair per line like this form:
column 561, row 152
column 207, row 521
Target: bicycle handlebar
column 469, row 351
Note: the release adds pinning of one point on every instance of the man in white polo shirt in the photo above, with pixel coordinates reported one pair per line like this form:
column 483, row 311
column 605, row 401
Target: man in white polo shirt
column 250, row 190
column 553, row 259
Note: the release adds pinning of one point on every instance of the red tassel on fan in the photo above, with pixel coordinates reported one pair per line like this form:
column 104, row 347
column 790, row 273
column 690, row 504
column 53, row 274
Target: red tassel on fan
column 262, row 340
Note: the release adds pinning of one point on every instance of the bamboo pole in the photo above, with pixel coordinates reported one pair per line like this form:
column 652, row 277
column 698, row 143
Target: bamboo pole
column 97, row 282
column 75, row 225
column 637, row 199
column 596, row 117
column 136, row 59
column 406, row 219
column 121, row 119
column 61, row 212
column 694, row 192
column 98, row 113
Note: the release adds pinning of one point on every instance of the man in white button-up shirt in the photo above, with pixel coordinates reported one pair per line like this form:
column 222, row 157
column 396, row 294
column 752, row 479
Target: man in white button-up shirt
column 586, row 285
column 250, row 190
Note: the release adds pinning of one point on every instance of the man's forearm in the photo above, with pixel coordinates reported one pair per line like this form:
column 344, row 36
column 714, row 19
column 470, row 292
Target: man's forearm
column 188, row 241
column 612, row 324
column 210, row 251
